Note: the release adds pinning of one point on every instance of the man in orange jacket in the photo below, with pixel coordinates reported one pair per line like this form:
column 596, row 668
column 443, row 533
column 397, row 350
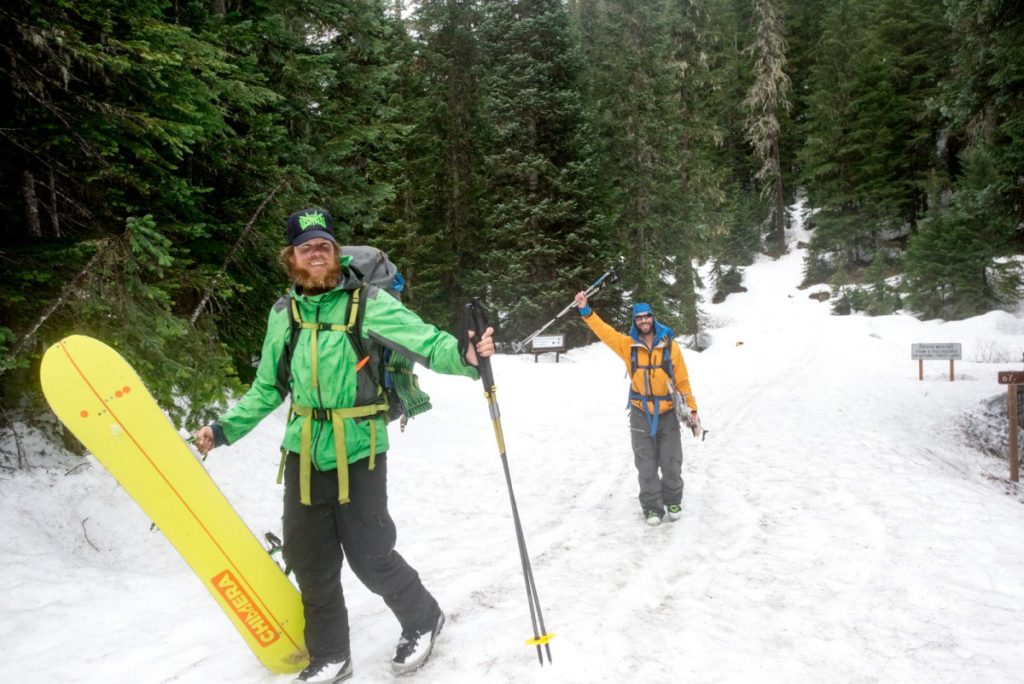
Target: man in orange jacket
column 657, row 371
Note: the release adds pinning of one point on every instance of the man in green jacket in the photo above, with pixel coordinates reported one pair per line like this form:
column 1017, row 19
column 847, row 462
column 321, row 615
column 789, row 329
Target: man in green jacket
column 336, row 441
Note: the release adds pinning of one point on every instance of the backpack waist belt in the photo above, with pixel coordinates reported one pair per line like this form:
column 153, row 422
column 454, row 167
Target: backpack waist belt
column 337, row 418
column 645, row 401
column 638, row 396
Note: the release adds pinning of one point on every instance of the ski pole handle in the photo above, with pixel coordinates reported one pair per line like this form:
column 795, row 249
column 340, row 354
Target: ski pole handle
column 592, row 289
column 477, row 318
column 600, row 282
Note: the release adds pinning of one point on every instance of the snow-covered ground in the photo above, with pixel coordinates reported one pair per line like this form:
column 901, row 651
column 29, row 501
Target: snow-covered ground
column 837, row 527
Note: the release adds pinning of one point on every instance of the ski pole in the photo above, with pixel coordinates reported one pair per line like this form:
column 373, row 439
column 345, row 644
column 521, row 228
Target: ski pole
column 477, row 319
column 607, row 278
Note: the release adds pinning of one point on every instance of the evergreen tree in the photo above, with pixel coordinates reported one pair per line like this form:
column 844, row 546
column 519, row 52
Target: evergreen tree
column 634, row 92
column 768, row 95
column 512, row 149
column 882, row 298
column 804, row 26
column 116, row 105
column 179, row 137
column 539, row 213
column 984, row 99
column 830, row 156
column 955, row 265
column 732, row 208
column 696, row 46
column 446, row 140
column 399, row 232
column 871, row 124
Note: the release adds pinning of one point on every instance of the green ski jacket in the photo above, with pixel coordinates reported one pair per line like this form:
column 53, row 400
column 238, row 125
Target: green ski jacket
column 338, row 385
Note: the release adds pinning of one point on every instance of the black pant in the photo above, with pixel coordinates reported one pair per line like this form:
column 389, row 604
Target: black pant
column 318, row 537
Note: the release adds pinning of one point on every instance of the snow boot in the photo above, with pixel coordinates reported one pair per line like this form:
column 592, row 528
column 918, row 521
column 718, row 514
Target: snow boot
column 653, row 518
column 675, row 512
column 414, row 648
column 325, row 671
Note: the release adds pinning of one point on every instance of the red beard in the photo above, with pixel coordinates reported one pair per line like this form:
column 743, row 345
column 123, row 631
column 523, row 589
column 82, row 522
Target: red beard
column 313, row 285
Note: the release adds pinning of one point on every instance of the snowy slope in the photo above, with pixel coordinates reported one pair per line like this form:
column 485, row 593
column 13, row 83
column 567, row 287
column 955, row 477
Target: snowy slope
column 836, row 526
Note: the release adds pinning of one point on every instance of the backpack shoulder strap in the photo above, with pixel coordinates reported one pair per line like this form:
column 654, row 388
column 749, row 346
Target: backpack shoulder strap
column 666, row 359
column 355, row 311
column 283, row 377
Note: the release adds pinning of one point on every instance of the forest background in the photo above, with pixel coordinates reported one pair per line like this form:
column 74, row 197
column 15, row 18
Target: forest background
column 513, row 150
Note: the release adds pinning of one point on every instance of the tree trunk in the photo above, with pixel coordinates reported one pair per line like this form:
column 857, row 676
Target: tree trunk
column 531, row 132
column 218, row 7
column 28, row 189
column 688, row 293
column 54, row 216
column 780, row 210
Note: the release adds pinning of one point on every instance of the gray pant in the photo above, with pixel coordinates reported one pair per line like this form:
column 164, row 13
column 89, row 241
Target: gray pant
column 662, row 452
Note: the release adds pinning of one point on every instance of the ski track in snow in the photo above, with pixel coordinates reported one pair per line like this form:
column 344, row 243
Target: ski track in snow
column 834, row 526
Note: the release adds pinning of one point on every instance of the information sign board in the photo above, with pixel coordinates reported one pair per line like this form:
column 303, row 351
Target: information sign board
column 936, row 350
column 548, row 343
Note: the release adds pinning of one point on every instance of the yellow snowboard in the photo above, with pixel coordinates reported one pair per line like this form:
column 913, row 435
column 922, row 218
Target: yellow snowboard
column 98, row 396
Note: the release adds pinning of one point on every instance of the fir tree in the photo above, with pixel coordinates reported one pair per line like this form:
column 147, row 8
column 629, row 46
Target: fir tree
column 984, row 98
column 118, row 105
column 540, row 217
column 871, row 125
column 634, row 93
column 446, row 136
column 955, row 265
column 767, row 97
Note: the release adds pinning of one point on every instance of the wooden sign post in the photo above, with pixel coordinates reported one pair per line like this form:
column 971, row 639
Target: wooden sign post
column 921, row 351
column 1014, row 379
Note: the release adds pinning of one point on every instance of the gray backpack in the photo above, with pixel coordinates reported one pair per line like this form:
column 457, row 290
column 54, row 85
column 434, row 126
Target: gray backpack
column 401, row 386
column 373, row 267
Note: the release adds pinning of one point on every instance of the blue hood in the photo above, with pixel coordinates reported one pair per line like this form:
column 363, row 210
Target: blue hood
column 660, row 330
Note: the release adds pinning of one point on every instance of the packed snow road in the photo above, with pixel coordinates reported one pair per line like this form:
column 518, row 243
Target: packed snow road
column 836, row 527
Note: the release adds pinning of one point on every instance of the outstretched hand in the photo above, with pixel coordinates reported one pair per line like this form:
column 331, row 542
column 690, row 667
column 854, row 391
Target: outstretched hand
column 482, row 349
column 203, row 439
column 581, row 300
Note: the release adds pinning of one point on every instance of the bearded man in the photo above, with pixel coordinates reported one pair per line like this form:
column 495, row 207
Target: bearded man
column 335, row 443
column 658, row 379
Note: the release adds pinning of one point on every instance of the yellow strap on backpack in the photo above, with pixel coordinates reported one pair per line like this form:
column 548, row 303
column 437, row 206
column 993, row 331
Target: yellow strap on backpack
column 337, row 417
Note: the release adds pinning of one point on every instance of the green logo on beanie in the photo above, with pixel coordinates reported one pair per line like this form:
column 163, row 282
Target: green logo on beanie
column 313, row 219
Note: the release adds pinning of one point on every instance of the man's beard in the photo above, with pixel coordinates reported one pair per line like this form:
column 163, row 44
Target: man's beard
column 313, row 285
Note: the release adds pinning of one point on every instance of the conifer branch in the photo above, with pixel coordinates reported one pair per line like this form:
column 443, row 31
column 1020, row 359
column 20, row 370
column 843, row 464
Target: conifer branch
column 63, row 297
column 231, row 254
